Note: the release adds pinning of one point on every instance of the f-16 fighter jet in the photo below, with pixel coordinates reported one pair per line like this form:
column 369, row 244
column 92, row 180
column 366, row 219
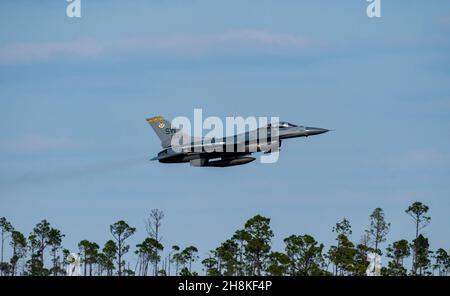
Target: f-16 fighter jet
column 224, row 151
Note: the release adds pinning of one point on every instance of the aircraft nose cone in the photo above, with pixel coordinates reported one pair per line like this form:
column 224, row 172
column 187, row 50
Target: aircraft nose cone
column 311, row 131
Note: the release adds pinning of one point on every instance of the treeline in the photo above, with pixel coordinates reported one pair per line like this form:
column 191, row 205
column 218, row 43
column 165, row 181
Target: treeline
column 247, row 252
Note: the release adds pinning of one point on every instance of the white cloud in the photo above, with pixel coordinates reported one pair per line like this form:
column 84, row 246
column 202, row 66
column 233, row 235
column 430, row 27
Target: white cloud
column 26, row 52
column 175, row 44
column 37, row 143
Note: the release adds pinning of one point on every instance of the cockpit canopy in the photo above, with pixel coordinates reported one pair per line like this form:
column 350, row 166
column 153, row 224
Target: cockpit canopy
column 281, row 124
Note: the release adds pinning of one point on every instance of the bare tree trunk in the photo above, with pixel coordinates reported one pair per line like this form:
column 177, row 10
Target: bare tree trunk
column 152, row 226
column 119, row 255
column 54, row 264
column 13, row 266
column 3, row 242
column 85, row 264
column 168, row 269
column 415, row 247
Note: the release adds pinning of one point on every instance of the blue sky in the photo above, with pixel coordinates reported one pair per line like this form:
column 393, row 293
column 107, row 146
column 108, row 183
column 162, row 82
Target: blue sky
column 74, row 95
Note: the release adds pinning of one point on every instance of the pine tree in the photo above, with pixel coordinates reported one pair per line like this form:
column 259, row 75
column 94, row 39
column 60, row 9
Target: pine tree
column 342, row 255
column 417, row 211
column 305, row 255
column 5, row 230
column 19, row 247
column 442, row 263
column 55, row 242
column 110, row 255
column 278, row 264
column 378, row 229
column 398, row 252
column 258, row 244
column 153, row 227
column 121, row 231
column 422, row 261
column 147, row 252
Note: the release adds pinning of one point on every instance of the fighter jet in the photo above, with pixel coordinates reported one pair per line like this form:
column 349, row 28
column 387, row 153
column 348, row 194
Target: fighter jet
column 212, row 152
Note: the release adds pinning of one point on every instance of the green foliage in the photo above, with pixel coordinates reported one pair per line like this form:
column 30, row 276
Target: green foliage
column 305, row 255
column 176, row 258
column 398, row 251
column 35, row 267
column 360, row 260
column 343, row 255
column 422, row 261
column 186, row 272
column 89, row 253
column 418, row 212
column 5, row 268
column 378, row 229
column 258, row 243
column 247, row 252
column 210, row 263
column 19, row 247
column 55, row 242
column 442, row 263
column 278, row 264
column 343, row 227
column 108, row 257
column 189, row 255
column 5, row 228
column 240, row 237
column 184, row 258
column 227, row 255
column 42, row 236
column 147, row 252
column 121, row 231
